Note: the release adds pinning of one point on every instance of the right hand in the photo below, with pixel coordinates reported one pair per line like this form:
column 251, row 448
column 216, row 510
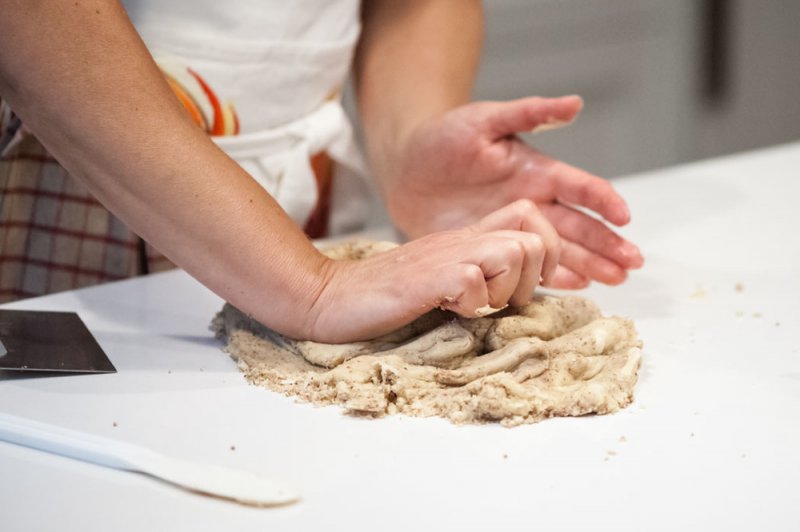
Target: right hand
column 499, row 260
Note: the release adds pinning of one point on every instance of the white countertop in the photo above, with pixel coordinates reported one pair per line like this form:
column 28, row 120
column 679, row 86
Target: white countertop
column 712, row 441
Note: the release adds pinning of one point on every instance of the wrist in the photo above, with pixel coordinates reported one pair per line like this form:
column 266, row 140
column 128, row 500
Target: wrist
column 390, row 147
column 318, row 299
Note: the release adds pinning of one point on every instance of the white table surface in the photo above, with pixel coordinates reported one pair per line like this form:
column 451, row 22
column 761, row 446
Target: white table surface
column 712, row 441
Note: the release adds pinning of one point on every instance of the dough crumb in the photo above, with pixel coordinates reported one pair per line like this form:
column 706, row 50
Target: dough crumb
column 739, row 287
column 623, row 439
column 486, row 310
column 699, row 293
column 556, row 356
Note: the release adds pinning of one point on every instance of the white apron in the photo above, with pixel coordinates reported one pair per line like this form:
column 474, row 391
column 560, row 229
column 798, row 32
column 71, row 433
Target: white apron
column 278, row 63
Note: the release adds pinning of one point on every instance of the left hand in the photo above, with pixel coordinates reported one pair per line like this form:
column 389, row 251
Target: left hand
column 453, row 169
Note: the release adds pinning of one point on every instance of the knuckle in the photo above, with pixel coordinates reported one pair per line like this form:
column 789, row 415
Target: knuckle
column 599, row 188
column 558, row 250
column 555, row 247
column 535, row 243
column 472, row 277
column 609, row 240
column 525, row 208
column 535, row 101
column 514, row 251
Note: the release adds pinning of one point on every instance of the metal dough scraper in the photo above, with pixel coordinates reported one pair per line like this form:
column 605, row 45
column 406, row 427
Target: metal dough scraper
column 33, row 340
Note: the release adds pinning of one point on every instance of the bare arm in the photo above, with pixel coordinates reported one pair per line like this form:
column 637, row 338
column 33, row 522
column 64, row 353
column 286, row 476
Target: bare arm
column 443, row 163
column 82, row 80
column 416, row 59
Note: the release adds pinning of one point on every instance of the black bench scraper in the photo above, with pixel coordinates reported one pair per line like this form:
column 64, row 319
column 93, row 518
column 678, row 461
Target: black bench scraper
column 49, row 341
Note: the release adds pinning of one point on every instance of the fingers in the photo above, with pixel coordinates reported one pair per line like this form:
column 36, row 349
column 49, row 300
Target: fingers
column 566, row 279
column 525, row 216
column 593, row 235
column 574, row 186
column 530, row 114
column 533, row 252
column 494, row 279
column 463, row 290
column 462, row 271
column 492, row 268
column 497, row 268
column 591, row 265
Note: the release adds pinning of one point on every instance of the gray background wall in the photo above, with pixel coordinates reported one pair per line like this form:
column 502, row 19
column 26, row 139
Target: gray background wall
column 641, row 66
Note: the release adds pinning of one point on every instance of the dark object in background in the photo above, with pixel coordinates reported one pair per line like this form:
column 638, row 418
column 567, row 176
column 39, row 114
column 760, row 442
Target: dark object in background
column 716, row 50
column 49, row 341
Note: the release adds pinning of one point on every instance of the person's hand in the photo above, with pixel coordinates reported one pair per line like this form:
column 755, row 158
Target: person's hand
column 455, row 168
column 494, row 262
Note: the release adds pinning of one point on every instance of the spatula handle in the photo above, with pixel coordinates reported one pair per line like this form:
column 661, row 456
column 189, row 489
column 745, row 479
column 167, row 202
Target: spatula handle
column 65, row 442
column 222, row 482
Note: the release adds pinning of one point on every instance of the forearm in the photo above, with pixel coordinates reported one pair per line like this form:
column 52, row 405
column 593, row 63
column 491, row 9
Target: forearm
column 416, row 59
column 82, row 80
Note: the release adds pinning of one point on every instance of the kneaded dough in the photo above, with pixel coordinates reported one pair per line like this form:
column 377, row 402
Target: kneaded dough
column 552, row 357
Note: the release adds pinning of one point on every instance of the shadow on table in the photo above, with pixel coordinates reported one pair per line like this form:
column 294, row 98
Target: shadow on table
column 15, row 375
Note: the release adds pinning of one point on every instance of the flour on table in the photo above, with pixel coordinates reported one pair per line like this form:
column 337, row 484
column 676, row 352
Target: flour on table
column 552, row 357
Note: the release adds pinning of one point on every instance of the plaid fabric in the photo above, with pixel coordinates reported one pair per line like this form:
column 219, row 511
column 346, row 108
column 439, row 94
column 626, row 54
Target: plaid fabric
column 54, row 235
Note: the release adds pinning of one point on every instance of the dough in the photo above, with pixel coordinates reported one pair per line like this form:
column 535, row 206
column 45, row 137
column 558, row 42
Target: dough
column 553, row 357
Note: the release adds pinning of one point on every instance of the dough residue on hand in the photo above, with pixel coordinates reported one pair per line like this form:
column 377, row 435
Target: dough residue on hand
column 552, row 357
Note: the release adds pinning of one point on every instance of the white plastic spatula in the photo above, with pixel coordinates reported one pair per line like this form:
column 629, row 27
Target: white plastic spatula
column 237, row 486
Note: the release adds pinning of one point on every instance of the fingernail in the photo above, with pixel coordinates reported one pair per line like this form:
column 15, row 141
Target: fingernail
column 616, row 211
column 549, row 126
column 633, row 254
column 626, row 213
column 576, row 96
